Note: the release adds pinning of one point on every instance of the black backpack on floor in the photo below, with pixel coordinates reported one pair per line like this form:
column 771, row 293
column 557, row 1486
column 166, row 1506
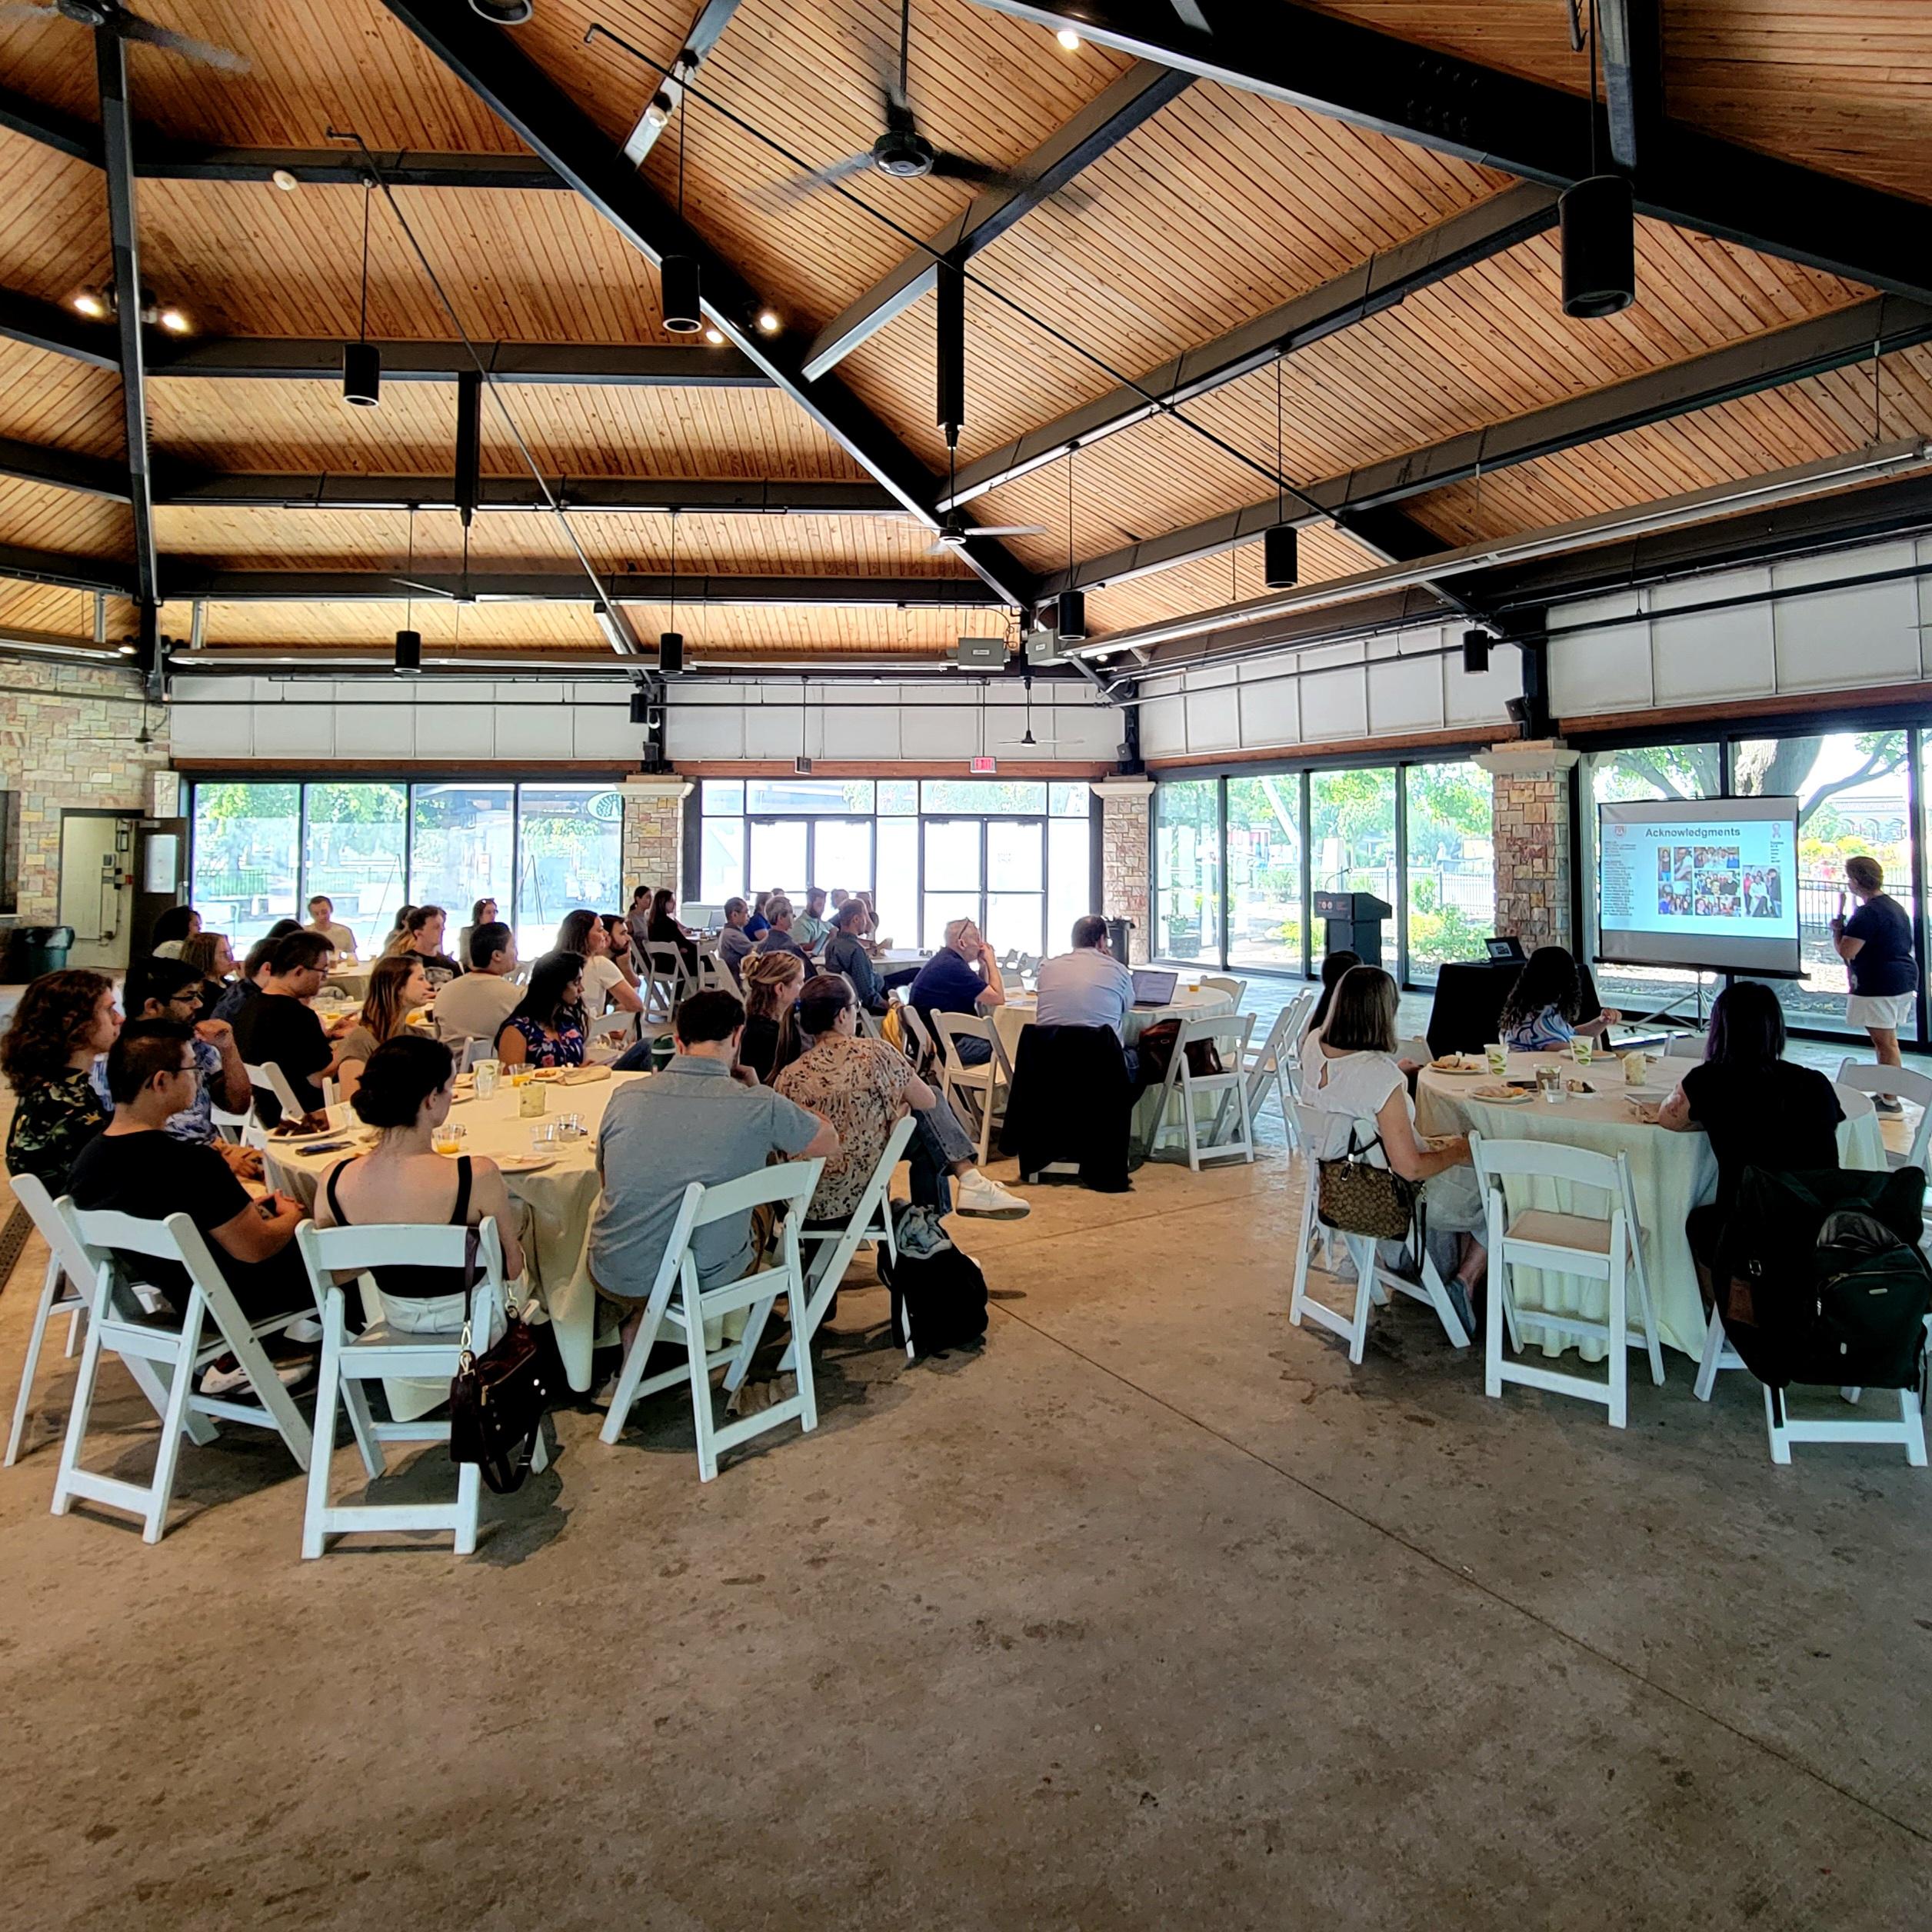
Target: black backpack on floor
column 938, row 1297
column 1820, row 1279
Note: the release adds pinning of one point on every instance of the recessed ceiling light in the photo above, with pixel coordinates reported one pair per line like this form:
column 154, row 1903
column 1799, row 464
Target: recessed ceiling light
column 714, row 334
column 90, row 303
column 284, row 180
column 175, row 321
column 1068, row 39
column 768, row 321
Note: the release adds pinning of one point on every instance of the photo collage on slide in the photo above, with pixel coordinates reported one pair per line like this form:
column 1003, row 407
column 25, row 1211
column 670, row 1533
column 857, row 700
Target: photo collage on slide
column 1711, row 882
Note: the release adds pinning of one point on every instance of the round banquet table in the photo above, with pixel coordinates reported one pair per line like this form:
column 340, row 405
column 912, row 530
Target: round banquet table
column 352, row 981
column 1189, row 1003
column 1670, row 1173
column 557, row 1201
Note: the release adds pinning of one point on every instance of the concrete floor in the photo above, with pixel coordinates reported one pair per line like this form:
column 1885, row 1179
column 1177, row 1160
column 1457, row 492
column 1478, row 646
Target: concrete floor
column 1155, row 1614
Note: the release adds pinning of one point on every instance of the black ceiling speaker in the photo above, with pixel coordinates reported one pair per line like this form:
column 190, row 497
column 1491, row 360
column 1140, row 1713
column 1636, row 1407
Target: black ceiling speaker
column 1599, row 247
column 408, row 652
column 504, row 13
column 670, row 653
column 678, row 275
column 1281, row 557
column 1070, row 609
column 640, row 708
column 1475, row 651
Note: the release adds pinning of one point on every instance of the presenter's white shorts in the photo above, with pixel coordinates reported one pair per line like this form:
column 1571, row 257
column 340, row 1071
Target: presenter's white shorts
column 1889, row 1012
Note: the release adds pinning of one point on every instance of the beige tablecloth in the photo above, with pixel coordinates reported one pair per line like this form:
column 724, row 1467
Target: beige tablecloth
column 1670, row 1173
column 557, row 1201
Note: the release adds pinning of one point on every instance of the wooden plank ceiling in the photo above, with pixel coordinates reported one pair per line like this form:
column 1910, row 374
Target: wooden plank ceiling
column 1220, row 207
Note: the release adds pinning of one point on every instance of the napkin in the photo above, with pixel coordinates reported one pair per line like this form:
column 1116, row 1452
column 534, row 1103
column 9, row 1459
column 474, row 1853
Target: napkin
column 583, row 1076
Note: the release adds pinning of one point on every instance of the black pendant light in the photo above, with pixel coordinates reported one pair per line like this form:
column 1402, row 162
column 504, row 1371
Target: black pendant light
column 1281, row 544
column 362, row 360
column 1475, row 651
column 678, row 276
column 641, row 707
column 670, row 643
column 1071, row 606
column 504, row 13
column 409, row 640
column 1599, row 222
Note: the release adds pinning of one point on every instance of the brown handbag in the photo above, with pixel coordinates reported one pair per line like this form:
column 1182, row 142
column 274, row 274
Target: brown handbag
column 1359, row 1198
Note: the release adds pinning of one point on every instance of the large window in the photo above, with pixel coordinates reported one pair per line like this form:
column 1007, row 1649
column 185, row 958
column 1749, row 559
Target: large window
column 248, row 841
column 1013, row 854
column 1448, row 864
column 1852, row 794
column 1187, row 870
column 261, row 852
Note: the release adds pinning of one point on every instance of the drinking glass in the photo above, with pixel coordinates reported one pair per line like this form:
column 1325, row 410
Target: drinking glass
column 447, row 1138
column 487, row 1072
column 1497, row 1055
column 1580, row 1047
column 1549, row 1081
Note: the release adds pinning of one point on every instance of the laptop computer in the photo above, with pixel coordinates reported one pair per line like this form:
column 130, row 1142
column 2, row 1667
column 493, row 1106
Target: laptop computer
column 1152, row 988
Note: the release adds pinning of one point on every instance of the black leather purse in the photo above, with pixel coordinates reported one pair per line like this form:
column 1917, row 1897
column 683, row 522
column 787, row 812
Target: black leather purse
column 497, row 1402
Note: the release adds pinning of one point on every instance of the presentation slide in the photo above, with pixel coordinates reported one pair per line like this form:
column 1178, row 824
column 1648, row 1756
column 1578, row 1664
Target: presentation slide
column 1711, row 883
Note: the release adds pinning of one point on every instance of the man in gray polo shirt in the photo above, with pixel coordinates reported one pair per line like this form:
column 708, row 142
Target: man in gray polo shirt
column 691, row 1122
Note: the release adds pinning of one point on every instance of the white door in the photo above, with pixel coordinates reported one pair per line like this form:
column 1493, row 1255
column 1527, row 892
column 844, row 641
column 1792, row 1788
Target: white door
column 96, row 888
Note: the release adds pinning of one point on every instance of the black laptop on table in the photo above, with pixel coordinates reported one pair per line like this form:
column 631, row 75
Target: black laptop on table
column 1153, row 988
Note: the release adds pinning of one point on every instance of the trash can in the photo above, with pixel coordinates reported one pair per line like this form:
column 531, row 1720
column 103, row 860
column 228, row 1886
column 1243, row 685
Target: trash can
column 37, row 950
column 1118, row 930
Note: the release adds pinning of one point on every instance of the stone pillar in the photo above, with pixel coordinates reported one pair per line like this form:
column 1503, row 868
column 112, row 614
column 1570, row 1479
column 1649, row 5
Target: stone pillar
column 1125, row 810
column 653, row 831
column 1531, row 832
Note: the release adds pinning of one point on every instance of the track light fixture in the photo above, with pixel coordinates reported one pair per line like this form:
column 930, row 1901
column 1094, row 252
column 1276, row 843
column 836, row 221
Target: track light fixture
column 1475, row 652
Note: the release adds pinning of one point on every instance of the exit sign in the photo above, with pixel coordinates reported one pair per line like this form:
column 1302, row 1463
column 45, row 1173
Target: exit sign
column 982, row 767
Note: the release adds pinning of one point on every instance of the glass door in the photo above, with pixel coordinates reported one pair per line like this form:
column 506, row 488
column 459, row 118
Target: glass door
column 781, row 857
column 841, row 854
column 1016, row 885
column 954, row 875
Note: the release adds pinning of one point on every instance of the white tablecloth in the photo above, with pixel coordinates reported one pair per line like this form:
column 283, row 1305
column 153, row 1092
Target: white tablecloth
column 1670, row 1173
column 557, row 1201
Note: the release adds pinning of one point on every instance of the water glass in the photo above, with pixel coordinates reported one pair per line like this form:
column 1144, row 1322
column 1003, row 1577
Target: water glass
column 447, row 1138
column 487, row 1072
column 544, row 1139
column 1549, row 1081
column 1497, row 1055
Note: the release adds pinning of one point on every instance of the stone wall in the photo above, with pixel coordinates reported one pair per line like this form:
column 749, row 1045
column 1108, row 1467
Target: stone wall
column 654, row 832
column 67, row 742
column 1531, row 831
column 1125, row 816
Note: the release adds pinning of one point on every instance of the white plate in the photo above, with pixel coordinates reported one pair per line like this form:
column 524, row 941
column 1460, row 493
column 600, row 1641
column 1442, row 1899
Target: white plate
column 525, row 1163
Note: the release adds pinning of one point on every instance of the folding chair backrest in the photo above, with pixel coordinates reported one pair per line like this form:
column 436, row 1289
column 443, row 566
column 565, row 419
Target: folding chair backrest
column 479, row 1048
column 1896, row 1083
column 50, row 1220
column 1229, row 1032
column 328, row 1252
column 612, row 1026
column 1549, row 1161
column 921, row 1039
column 1298, row 1011
column 1278, row 1050
column 790, row 1181
column 955, row 1026
column 1223, row 983
column 102, row 1230
column 268, row 1077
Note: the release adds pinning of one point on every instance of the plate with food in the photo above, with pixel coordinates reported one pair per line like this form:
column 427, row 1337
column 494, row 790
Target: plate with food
column 1497, row 1094
column 524, row 1163
column 310, row 1126
column 1459, row 1063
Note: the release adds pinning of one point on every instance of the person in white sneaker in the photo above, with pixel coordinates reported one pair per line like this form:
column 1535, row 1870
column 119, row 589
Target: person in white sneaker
column 863, row 1086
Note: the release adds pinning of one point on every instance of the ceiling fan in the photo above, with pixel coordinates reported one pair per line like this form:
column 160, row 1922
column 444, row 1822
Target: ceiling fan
column 902, row 153
column 954, row 533
column 114, row 18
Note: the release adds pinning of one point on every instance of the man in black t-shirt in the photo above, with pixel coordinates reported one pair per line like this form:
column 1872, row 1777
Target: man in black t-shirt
column 278, row 1028
column 132, row 1167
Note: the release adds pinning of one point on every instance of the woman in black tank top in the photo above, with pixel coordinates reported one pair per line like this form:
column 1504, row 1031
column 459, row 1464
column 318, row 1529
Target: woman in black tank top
column 407, row 1086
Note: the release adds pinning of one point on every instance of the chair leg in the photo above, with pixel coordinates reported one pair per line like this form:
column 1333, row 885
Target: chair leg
column 1362, row 1250
column 78, row 1416
column 329, row 1385
column 1188, row 1128
column 43, row 1313
column 1492, row 1329
column 700, row 1372
column 469, row 1491
column 632, row 1374
column 73, row 1332
column 1707, row 1363
column 1774, row 1424
column 1299, row 1292
column 1619, row 1327
column 1647, row 1315
column 167, row 1455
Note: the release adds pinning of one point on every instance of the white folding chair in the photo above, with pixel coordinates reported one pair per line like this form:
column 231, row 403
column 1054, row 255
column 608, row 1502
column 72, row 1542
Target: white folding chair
column 1305, row 1003
column 835, row 1244
column 477, row 1046
column 869, row 1023
column 1895, row 1083
column 712, row 975
column 182, row 1350
column 1374, row 1280
column 1607, row 1248
column 663, row 984
column 1269, row 1067
column 617, row 1030
column 686, row 1312
column 1235, row 989
column 1229, row 1033
column 982, row 1079
column 268, row 1078
column 924, row 1053
column 1908, row 1432
column 348, row 1361
column 67, row 1262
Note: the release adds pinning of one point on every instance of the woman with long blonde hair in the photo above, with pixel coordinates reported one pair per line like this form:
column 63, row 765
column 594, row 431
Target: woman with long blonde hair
column 397, row 987
column 773, row 982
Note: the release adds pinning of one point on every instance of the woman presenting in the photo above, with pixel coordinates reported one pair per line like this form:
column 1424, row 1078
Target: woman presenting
column 1875, row 944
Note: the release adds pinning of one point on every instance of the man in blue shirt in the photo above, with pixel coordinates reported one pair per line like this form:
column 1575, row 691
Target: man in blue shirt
column 1875, row 944
column 962, row 977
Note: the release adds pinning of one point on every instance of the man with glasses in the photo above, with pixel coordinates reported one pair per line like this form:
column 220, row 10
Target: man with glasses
column 167, row 989
column 962, row 977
